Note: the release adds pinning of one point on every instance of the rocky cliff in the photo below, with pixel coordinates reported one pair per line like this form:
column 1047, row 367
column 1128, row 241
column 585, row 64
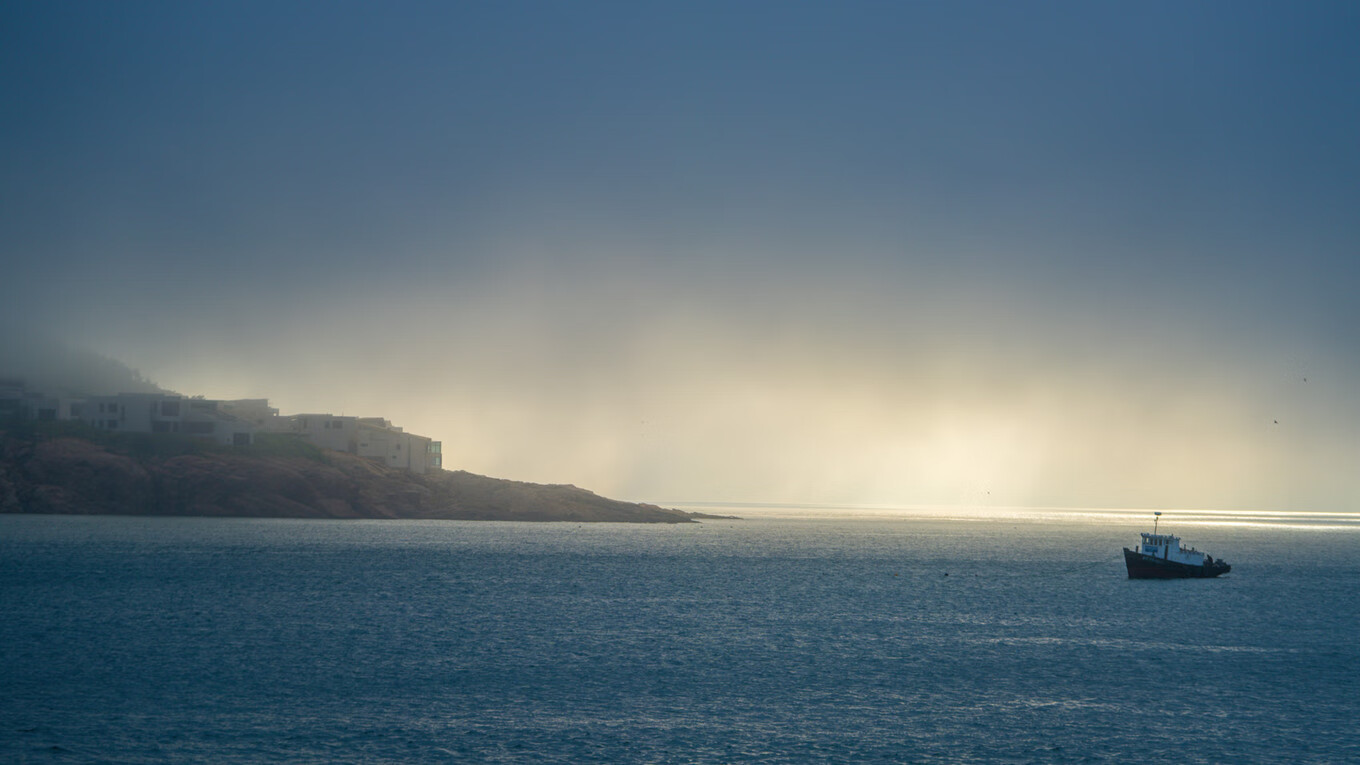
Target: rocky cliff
column 74, row 475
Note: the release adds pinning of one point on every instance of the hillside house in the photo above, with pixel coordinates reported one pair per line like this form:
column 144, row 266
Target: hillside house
column 162, row 413
column 371, row 437
column 228, row 422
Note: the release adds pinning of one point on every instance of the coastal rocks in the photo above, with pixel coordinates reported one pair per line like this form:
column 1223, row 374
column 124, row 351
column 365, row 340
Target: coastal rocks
column 78, row 476
column 69, row 475
column 225, row 486
column 476, row 497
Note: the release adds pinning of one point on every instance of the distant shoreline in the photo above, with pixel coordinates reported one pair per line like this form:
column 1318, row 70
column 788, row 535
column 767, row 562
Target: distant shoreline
column 119, row 475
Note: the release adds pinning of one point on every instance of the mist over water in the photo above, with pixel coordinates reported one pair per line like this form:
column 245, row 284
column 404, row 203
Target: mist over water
column 954, row 287
column 900, row 253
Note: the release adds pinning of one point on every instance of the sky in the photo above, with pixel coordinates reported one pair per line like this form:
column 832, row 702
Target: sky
column 1086, row 254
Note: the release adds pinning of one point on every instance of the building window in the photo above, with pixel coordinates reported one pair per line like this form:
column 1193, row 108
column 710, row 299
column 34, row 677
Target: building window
column 169, row 408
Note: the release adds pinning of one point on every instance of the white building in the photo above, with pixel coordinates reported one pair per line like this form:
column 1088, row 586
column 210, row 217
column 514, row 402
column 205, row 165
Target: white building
column 232, row 423
column 370, row 437
column 163, row 413
column 16, row 400
column 255, row 411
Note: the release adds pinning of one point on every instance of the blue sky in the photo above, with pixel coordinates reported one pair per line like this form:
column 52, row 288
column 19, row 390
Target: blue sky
column 1015, row 253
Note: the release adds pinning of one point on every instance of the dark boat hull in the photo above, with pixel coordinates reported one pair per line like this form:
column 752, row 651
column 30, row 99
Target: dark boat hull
column 1147, row 567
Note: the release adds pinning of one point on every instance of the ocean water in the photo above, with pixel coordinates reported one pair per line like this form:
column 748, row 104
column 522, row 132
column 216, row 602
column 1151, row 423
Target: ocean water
column 787, row 637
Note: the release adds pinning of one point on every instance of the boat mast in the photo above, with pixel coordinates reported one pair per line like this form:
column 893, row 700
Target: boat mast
column 1156, row 516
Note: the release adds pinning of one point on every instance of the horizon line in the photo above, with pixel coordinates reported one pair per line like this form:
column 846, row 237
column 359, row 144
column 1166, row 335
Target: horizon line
column 962, row 506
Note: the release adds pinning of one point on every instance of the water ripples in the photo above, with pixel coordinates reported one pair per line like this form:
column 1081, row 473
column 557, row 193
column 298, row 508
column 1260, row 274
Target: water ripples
column 770, row 640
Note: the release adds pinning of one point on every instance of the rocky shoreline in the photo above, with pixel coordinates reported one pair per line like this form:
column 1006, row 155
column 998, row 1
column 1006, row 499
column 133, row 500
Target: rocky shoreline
column 73, row 475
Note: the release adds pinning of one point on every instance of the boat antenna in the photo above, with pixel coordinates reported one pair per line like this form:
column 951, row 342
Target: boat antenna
column 1156, row 516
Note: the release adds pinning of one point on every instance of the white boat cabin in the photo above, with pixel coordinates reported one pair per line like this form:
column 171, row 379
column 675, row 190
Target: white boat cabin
column 1168, row 547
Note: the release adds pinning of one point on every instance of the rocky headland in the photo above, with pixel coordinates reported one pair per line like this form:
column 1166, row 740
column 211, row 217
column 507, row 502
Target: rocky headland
column 153, row 475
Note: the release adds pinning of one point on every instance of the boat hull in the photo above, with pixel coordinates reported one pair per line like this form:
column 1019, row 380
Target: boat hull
column 1147, row 567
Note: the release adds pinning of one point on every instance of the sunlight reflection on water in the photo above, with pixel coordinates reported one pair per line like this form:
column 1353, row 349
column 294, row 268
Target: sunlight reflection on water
column 1313, row 521
column 898, row 637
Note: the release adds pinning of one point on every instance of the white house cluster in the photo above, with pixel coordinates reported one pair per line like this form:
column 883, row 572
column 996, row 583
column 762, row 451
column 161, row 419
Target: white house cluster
column 232, row 423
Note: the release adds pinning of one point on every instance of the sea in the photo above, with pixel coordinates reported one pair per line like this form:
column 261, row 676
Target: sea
column 792, row 635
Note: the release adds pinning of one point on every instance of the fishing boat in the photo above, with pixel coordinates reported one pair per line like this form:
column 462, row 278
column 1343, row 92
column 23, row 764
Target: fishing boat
column 1161, row 556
